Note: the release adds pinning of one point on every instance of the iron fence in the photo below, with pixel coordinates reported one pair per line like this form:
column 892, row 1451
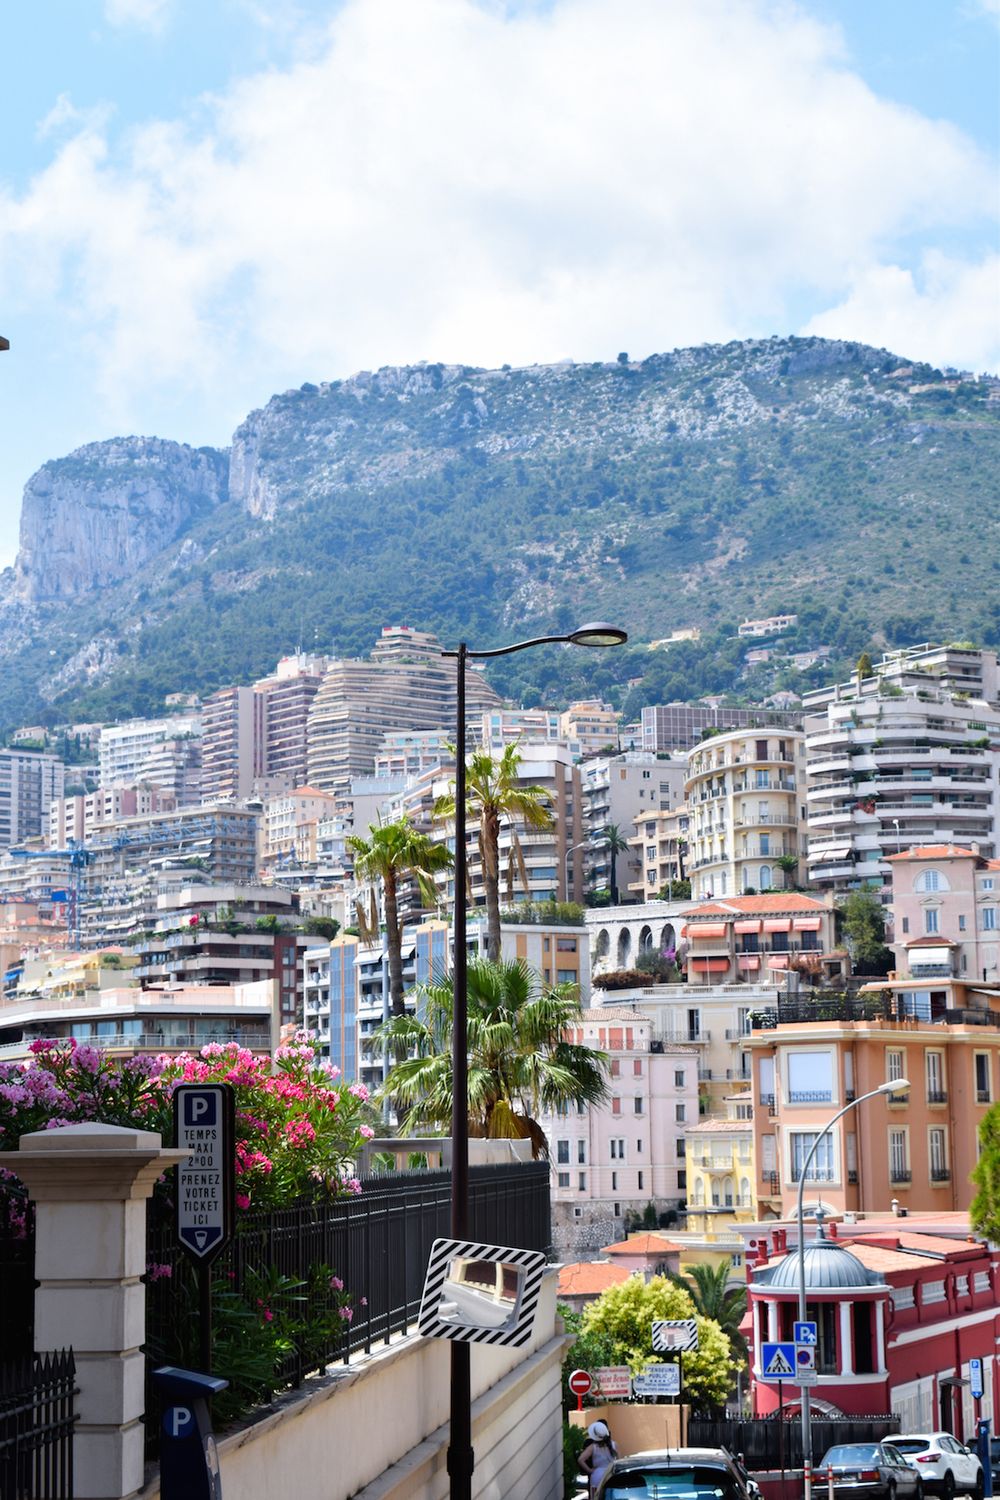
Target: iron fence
column 771, row 1443
column 17, row 1274
column 36, row 1427
column 377, row 1243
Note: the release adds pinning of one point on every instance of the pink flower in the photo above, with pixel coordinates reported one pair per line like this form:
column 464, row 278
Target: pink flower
column 268, row 1315
column 336, row 1283
column 364, row 1302
column 158, row 1271
column 347, row 1313
column 242, row 1200
column 366, row 1132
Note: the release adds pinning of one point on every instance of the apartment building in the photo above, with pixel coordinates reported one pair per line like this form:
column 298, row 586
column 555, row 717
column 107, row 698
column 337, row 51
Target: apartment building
column 917, row 1147
column 288, row 694
column 720, row 1175
column 164, row 753
column 232, row 746
column 78, row 819
column 285, row 817
column 616, row 790
column 508, row 726
column 405, row 753
column 30, row 781
column 592, row 725
column 781, row 934
column 405, row 685
column 909, row 756
column 747, row 812
column 619, row 1156
column 660, row 848
column 682, row 726
column 945, row 902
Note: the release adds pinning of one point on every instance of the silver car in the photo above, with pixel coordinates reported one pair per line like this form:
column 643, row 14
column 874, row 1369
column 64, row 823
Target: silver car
column 675, row 1474
column 870, row 1471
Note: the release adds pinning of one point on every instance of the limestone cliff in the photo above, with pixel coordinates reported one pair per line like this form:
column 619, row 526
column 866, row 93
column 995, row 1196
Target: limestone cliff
column 92, row 518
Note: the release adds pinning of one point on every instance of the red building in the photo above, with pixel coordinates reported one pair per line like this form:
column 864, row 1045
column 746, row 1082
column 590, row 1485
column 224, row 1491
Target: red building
column 900, row 1306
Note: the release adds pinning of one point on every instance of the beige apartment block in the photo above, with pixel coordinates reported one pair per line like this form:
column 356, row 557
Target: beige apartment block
column 946, row 914
column 285, row 817
column 660, row 849
column 592, row 724
column 746, row 801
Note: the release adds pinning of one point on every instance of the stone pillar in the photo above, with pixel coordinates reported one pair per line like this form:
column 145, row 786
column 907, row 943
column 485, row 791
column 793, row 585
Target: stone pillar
column 879, row 1310
column 846, row 1342
column 89, row 1184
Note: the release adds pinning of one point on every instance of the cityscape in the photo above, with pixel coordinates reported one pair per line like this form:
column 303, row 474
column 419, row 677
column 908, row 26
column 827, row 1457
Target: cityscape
column 500, row 751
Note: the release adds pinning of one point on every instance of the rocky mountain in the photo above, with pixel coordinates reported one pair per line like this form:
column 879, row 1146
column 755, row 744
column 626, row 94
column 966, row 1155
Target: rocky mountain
column 691, row 488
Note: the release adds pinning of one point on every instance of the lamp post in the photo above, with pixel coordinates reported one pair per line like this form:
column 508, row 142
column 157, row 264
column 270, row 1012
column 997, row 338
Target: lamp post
column 894, row 1086
column 586, row 844
column 461, row 1459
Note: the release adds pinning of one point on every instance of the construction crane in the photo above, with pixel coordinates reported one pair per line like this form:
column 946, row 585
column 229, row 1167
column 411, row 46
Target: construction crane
column 79, row 857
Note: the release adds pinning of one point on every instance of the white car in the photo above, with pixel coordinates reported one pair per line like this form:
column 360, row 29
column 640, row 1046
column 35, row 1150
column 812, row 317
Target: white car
column 946, row 1467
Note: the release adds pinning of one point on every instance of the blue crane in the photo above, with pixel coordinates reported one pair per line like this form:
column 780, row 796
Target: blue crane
column 79, row 857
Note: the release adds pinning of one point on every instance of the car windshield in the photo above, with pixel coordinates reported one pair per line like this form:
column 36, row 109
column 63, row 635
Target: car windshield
column 658, row 1483
column 911, row 1445
column 852, row 1453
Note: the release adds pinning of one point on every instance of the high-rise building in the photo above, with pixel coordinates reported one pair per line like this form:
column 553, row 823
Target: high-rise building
column 680, row 726
column 30, row 781
column 746, row 802
column 908, row 756
column 288, row 695
column 660, row 846
column 616, row 790
column 405, row 685
column 161, row 752
column 232, row 745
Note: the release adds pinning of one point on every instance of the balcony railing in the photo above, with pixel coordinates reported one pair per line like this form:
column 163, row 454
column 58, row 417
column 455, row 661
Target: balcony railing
column 903, row 1098
column 770, row 1103
column 900, row 1174
column 940, row 1174
column 983, row 1096
column 810, row 1096
column 937, row 1096
column 772, row 1183
column 815, row 1174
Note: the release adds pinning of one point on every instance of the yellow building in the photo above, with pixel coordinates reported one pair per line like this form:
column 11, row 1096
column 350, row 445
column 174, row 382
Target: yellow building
column 720, row 1176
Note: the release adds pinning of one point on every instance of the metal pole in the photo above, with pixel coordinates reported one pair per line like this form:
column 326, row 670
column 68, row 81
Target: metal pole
column 205, row 1317
column 461, row 1458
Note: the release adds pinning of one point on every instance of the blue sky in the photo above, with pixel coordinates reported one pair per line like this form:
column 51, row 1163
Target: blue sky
column 205, row 201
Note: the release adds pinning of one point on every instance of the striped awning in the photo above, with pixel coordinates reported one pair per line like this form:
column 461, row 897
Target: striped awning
column 778, row 924
column 807, row 924
column 705, row 930
column 748, row 924
column 748, row 960
column 710, row 965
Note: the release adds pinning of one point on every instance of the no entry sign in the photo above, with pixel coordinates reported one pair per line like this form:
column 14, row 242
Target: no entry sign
column 204, row 1126
column 580, row 1383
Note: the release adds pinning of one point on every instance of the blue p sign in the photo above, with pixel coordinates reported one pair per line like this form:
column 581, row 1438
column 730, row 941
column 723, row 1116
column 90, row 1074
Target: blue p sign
column 200, row 1108
column 178, row 1422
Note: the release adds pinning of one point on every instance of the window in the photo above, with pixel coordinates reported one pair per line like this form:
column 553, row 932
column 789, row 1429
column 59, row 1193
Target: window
column 931, row 919
column 810, row 1077
column 986, row 884
column 906, row 924
column 762, row 780
column 983, row 1092
column 562, row 1151
column 679, row 1113
column 938, row 1153
column 821, row 1167
column 617, row 1148
column 563, row 1180
column 678, row 1078
column 638, row 1146
column 989, row 919
column 893, row 1065
column 765, row 843
column 930, row 880
column 614, row 1182
column 935, row 1078
column 764, row 878
column 640, row 1182
column 961, row 921
column 566, row 976
column 582, row 1184
column 736, row 1259
column 681, row 1148
column 637, row 1105
column 637, row 1067
column 616, row 1106
column 616, row 1067
column 898, row 1156
column 581, row 1152
column 565, row 945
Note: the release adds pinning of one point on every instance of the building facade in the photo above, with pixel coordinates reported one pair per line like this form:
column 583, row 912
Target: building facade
column 682, row 726
column 30, row 781
column 945, row 903
column 617, row 790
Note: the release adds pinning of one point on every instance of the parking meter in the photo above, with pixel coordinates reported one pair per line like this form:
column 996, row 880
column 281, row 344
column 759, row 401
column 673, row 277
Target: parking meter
column 984, row 1449
column 189, row 1458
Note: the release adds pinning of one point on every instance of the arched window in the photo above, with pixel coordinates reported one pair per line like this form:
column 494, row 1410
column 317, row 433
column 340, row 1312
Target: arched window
column 931, row 880
column 603, row 944
column 645, row 939
column 727, row 1191
column 624, row 948
column 668, row 938
column 699, row 1190
column 745, row 1192
column 765, row 877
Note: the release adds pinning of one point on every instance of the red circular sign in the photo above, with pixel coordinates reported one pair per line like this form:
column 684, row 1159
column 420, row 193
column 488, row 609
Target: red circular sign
column 580, row 1382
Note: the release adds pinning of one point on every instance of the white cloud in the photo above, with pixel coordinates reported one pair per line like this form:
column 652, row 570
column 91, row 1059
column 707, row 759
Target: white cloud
column 148, row 15
column 450, row 180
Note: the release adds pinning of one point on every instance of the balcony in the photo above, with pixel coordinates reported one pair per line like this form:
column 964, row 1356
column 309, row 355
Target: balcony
column 892, row 1099
column 815, row 1174
column 940, row 1174
column 772, row 1183
column 810, row 1096
column 901, row 1175
column 770, row 1103
column 937, row 1096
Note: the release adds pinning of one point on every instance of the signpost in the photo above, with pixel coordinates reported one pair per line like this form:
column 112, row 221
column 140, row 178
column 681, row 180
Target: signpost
column 804, row 1333
column 614, row 1382
column 204, row 1125
column 678, row 1336
column 777, row 1361
column 580, row 1384
column 976, row 1386
column 658, row 1380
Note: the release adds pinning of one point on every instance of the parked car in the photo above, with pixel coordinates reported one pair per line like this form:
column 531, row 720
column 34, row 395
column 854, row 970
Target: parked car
column 995, row 1464
column 946, row 1466
column 669, row 1474
column 871, row 1471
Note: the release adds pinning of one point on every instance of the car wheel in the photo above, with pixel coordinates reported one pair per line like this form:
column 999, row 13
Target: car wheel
column 948, row 1486
column 918, row 1493
column 977, row 1488
column 890, row 1491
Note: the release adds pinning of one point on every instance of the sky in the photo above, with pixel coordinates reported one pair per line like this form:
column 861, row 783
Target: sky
column 203, row 202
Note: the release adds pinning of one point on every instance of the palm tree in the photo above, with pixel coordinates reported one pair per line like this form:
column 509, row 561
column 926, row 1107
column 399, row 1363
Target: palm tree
column 494, row 792
column 396, row 852
column 519, row 1060
column 788, row 864
column 713, row 1297
column 612, row 835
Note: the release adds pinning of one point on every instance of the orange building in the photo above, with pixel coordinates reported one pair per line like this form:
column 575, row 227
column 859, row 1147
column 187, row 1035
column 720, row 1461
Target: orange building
column 917, row 1147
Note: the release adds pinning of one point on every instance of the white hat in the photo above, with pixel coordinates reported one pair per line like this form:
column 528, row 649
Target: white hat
column 598, row 1431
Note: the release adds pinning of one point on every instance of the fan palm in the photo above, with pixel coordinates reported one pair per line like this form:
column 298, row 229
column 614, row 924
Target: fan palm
column 494, row 792
column 520, row 1062
column 710, row 1290
column 394, row 853
column 612, row 835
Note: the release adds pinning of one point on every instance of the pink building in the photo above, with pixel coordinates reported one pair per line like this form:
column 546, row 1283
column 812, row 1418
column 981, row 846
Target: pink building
column 627, row 1153
column 946, row 913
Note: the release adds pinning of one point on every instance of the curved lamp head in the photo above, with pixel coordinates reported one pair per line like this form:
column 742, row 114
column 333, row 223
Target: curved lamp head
column 894, row 1086
column 596, row 633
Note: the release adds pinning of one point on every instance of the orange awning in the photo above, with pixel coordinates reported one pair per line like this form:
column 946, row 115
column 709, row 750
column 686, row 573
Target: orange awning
column 778, row 961
column 750, row 924
column 807, row 924
column 706, row 929
column 778, row 924
column 712, row 965
column 748, row 960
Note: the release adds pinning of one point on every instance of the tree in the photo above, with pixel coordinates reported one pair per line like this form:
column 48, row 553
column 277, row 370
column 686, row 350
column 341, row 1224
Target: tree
column 788, row 864
column 494, row 792
column 397, row 852
column 985, row 1211
column 864, row 667
column 617, row 843
column 713, row 1297
column 676, row 890
column 324, row 927
column 864, row 932
column 624, row 1313
column 519, row 1060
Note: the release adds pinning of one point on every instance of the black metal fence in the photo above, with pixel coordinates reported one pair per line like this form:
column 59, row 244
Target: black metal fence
column 17, row 1275
column 377, row 1243
column 36, row 1427
column 772, row 1443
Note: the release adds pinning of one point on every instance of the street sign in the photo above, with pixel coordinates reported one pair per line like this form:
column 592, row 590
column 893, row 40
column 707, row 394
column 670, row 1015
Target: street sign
column 976, row 1378
column 614, row 1382
column 580, row 1383
column 480, row 1294
column 204, row 1119
column 777, row 1361
column 658, row 1380
column 806, row 1377
column 675, row 1335
column 805, row 1357
column 804, row 1333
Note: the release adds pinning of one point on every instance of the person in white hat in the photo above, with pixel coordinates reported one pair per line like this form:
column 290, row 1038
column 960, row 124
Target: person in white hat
column 596, row 1457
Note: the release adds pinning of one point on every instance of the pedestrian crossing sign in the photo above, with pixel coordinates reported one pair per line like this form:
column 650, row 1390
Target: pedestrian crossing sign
column 777, row 1361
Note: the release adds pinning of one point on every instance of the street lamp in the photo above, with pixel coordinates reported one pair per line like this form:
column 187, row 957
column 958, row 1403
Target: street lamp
column 894, row 1086
column 586, row 844
column 461, row 1459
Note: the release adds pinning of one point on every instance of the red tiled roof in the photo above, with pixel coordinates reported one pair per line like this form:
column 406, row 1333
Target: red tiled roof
column 615, row 1013
column 930, row 942
column 936, row 851
column 751, row 905
column 642, row 1244
column 589, row 1278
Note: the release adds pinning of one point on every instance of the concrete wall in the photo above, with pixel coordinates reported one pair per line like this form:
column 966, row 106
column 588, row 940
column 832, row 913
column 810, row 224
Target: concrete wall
column 378, row 1429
